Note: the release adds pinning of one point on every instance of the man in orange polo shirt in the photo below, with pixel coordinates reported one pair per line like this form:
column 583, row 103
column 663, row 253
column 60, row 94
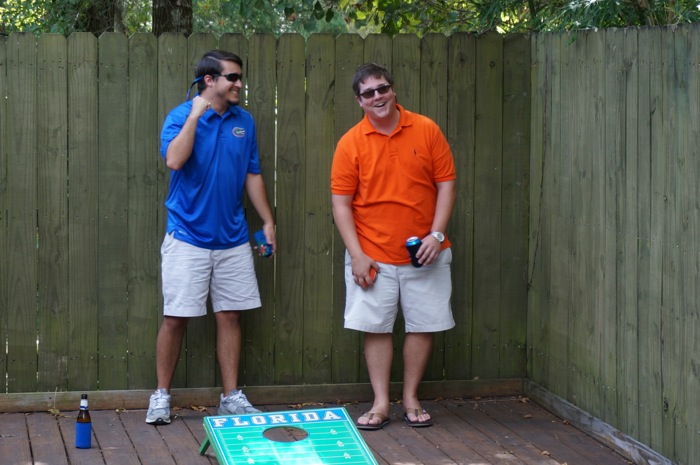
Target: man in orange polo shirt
column 393, row 177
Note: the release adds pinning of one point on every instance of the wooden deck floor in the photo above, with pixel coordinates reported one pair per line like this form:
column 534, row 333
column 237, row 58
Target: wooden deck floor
column 482, row 431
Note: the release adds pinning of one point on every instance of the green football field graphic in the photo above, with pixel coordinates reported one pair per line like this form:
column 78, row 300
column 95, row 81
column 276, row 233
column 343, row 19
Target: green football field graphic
column 332, row 439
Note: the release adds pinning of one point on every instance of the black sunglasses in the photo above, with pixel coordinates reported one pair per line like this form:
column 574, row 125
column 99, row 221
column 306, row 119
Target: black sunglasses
column 231, row 77
column 369, row 93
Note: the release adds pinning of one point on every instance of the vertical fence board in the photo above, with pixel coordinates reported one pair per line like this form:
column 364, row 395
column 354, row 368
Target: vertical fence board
column 536, row 323
column 112, row 204
column 671, row 278
column 144, row 203
column 52, row 227
column 652, row 174
column 584, row 221
column 686, row 62
column 615, row 74
column 21, row 257
column 558, row 198
column 644, row 252
column 378, row 49
column 603, row 317
column 347, row 348
column 406, row 69
column 433, row 104
column 630, row 236
column 691, row 330
column 3, row 204
column 318, row 219
column 460, row 133
column 258, row 337
column 83, row 211
column 606, row 261
column 291, row 177
column 488, row 171
column 516, row 175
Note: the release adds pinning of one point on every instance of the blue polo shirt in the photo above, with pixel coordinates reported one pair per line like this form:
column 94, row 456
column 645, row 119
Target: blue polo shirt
column 205, row 201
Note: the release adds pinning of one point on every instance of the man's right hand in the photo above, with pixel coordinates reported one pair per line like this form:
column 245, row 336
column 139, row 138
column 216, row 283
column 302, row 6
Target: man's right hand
column 199, row 106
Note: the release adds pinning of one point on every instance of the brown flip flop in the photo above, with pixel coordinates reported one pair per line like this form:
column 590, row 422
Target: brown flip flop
column 383, row 421
column 416, row 424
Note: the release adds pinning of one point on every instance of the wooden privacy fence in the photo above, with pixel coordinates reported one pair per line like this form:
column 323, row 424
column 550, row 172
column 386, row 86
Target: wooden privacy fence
column 613, row 321
column 82, row 186
column 577, row 221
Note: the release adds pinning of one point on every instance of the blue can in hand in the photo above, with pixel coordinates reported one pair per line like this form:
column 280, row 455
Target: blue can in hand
column 413, row 243
column 263, row 247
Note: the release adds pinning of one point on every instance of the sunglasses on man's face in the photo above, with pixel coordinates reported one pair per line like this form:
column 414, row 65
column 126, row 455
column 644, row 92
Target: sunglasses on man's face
column 231, row 77
column 369, row 93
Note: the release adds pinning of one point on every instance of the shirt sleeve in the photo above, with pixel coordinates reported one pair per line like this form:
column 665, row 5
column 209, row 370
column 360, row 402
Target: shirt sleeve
column 172, row 126
column 344, row 173
column 443, row 161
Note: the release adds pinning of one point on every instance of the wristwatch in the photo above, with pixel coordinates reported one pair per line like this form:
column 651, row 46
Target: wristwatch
column 440, row 237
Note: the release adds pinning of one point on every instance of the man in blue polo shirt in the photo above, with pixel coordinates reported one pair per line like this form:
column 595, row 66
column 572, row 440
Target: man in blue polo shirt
column 209, row 144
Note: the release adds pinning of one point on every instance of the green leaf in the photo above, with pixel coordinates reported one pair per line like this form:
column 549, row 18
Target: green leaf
column 318, row 11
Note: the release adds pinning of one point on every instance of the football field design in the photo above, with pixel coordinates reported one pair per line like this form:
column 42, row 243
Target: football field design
column 332, row 438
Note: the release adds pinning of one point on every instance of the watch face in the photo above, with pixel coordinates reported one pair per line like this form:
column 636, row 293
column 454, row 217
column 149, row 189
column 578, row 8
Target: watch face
column 439, row 236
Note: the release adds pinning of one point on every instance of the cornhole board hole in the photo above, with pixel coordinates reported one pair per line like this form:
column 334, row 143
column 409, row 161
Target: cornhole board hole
column 295, row 437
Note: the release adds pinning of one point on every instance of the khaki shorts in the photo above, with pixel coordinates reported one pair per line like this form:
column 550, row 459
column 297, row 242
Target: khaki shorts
column 424, row 294
column 191, row 273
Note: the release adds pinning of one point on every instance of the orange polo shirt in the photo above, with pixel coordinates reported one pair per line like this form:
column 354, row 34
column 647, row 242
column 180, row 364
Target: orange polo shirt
column 392, row 180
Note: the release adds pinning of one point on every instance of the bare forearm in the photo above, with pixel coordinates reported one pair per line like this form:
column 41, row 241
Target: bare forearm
column 180, row 148
column 345, row 222
column 444, row 205
column 255, row 188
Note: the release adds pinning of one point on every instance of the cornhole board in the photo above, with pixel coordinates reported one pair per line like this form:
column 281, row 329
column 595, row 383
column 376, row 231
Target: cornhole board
column 332, row 439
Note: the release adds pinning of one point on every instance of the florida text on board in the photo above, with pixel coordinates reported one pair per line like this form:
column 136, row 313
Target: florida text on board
column 273, row 418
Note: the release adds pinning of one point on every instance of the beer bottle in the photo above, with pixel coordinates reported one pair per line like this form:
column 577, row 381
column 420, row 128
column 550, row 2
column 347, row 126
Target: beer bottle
column 83, row 427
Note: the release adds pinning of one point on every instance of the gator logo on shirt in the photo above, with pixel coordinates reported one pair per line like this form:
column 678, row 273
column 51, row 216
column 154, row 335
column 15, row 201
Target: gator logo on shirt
column 238, row 132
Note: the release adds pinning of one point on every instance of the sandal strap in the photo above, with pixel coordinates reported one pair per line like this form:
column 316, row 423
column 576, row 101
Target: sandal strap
column 371, row 415
column 415, row 411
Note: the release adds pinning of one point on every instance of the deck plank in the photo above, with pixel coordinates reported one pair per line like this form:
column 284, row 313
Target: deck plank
column 183, row 446
column 147, row 439
column 454, row 421
column 564, row 442
column 14, row 439
column 446, row 435
column 502, row 431
column 506, row 438
column 194, row 422
column 529, row 426
column 46, row 442
column 475, row 448
column 112, row 438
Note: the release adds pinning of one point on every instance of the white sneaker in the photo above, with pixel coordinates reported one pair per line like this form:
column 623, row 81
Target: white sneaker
column 236, row 403
column 159, row 408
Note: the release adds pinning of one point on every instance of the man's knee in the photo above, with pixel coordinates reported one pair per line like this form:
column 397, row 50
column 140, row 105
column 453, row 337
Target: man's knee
column 228, row 317
column 174, row 324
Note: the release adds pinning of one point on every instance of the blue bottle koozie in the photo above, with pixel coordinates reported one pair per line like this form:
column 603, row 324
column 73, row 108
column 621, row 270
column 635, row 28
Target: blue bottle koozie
column 83, row 426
